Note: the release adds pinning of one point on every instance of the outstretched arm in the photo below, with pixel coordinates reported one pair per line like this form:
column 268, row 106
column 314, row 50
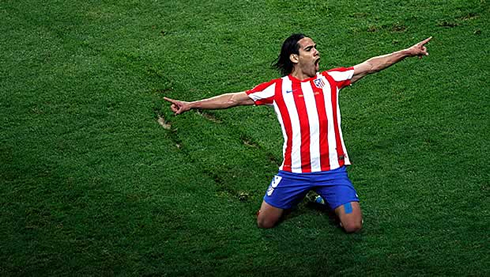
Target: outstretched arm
column 379, row 63
column 222, row 101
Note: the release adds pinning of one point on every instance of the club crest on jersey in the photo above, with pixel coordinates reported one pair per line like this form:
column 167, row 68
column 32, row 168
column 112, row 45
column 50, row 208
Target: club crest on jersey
column 319, row 83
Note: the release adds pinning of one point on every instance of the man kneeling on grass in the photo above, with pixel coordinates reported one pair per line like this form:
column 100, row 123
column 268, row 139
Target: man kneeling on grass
column 306, row 104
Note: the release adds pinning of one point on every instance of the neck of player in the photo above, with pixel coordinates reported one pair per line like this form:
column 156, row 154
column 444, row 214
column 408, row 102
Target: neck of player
column 301, row 74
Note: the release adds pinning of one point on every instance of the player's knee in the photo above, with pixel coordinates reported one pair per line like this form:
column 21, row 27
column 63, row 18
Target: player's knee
column 352, row 227
column 268, row 216
column 264, row 223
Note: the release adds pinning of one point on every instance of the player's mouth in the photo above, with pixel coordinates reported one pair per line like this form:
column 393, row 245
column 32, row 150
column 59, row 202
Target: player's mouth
column 317, row 64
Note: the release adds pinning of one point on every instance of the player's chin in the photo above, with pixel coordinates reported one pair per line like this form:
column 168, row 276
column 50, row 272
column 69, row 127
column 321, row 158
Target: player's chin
column 314, row 70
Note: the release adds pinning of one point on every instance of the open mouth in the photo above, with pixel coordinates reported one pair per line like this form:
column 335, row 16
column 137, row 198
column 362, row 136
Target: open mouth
column 317, row 64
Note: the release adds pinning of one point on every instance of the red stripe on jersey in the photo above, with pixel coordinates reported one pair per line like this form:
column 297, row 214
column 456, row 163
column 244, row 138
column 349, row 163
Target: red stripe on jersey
column 338, row 139
column 286, row 121
column 304, row 123
column 266, row 101
column 323, row 127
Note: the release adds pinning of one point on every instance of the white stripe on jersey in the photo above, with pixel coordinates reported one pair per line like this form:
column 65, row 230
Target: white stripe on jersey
column 266, row 93
column 332, row 142
column 284, row 134
column 341, row 75
column 287, row 92
column 346, row 156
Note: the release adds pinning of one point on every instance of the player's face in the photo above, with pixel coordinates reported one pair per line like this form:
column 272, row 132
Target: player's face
column 309, row 57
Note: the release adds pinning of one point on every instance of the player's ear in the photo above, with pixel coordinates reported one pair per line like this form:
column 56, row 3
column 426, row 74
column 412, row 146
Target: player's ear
column 294, row 58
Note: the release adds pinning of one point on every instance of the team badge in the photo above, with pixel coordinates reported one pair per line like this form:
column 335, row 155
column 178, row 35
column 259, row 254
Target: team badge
column 319, row 83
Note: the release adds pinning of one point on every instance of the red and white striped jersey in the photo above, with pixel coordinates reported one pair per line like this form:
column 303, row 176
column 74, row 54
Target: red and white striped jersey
column 309, row 114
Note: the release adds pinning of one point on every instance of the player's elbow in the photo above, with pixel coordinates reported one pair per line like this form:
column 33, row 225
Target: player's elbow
column 231, row 101
column 372, row 67
column 363, row 69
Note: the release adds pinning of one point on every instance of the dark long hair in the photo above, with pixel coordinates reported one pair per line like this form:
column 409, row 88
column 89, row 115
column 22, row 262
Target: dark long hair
column 290, row 46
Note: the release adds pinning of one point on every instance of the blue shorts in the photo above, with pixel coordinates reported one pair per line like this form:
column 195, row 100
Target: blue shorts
column 287, row 189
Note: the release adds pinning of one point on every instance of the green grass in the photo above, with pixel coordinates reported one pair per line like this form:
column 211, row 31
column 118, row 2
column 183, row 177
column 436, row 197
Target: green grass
column 91, row 184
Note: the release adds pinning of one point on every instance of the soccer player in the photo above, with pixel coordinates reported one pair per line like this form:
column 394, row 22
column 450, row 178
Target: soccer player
column 306, row 103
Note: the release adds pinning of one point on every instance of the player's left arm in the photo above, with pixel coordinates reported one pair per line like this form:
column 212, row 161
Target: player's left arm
column 223, row 101
column 379, row 63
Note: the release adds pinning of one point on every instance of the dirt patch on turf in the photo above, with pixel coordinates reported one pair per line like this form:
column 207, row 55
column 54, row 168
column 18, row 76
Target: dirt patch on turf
column 161, row 120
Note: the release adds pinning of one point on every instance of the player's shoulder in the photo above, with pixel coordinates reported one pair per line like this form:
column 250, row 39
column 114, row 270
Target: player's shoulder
column 264, row 85
column 339, row 73
column 338, row 69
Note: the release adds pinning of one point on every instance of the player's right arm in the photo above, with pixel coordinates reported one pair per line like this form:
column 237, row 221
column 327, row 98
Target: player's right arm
column 223, row 101
column 379, row 63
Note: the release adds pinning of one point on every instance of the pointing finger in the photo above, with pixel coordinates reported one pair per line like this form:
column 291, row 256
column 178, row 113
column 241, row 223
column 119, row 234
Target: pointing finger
column 178, row 106
column 169, row 100
column 425, row 41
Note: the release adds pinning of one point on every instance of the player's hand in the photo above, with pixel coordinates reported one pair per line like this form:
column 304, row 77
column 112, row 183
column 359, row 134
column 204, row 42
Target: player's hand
column 419, row 49
column 177, row 106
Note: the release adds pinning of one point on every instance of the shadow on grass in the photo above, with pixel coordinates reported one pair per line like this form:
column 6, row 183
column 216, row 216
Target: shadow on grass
column 308, row 205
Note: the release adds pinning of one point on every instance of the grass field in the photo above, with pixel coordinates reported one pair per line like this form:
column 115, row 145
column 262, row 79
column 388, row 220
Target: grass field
column 92, row 184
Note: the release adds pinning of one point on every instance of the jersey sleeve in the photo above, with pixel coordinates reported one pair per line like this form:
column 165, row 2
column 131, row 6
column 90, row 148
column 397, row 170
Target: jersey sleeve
column 341, row 75
column 263, row 94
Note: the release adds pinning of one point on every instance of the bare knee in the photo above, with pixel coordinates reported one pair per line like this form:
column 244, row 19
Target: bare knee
column 265, row 224
column 350, row 216
column 352, row 227
column 268, row 216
